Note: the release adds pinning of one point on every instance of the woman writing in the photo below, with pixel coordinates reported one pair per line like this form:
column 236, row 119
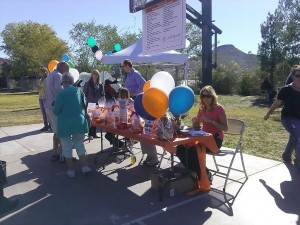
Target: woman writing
column 93, row 91
column 214, row 120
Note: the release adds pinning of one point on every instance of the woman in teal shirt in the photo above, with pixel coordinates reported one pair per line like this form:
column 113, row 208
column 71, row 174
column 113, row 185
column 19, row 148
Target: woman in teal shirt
column 71, row 123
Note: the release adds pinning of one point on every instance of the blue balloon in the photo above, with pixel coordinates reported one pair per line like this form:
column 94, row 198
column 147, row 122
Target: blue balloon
column 109, row 53
column 139, row 108
column 181, row 99
column 65, row 57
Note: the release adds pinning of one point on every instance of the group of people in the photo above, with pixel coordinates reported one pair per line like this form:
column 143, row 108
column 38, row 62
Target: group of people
column 63, row 108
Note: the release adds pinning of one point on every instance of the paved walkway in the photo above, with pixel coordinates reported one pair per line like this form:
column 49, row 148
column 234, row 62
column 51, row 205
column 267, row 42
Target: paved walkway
column 122, row 194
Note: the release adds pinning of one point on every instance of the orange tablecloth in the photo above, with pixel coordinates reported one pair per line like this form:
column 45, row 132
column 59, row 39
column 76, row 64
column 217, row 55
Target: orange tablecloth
column 202, row 142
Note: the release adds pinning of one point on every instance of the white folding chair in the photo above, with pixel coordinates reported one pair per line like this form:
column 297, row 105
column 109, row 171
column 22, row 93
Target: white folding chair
column 235, row 134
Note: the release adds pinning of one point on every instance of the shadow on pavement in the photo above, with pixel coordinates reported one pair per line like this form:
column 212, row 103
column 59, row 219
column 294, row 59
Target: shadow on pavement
column 19, row 136
column 288, row 189
column 112, row 196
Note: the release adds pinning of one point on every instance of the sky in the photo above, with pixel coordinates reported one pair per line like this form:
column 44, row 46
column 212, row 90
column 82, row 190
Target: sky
column 239, row 20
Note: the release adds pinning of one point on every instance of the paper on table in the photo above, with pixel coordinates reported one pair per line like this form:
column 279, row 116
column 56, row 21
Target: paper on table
column 193, row 132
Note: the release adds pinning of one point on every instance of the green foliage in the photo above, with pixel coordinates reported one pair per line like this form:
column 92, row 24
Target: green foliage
column 194, row 35
column 280, row 49
column 249, row 83
column 106, row 37
column 225, row 79
column 31, row 45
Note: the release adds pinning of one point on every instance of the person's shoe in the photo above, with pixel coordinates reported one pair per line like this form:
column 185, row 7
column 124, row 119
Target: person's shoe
column 43, row 129
column 62, row 159
column 7, row 204
column 71, row 173
column 86, row 169
column 150, row 163
column 55, row 157
column 90, row 137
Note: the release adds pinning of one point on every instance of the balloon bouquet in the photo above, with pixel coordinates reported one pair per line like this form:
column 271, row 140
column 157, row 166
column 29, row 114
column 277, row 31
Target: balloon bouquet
column 74, row 72
column 160, row 96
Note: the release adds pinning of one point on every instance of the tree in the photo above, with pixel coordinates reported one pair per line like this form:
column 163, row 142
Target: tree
column 280, row 47
column 31, row 45
column 194, row 35
column 270, row 49
column 106, row 37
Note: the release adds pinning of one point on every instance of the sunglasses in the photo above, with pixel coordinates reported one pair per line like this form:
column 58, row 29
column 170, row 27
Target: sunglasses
column 206, row 96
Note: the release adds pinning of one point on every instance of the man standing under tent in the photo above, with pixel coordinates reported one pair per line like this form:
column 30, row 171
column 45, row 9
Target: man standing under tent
column 134, row 83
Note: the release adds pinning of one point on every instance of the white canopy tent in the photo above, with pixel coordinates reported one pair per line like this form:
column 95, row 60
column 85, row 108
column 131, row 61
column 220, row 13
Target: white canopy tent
column 134, row 53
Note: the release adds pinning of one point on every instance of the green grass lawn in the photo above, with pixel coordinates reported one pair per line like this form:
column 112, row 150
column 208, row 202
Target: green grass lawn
column 262, row 138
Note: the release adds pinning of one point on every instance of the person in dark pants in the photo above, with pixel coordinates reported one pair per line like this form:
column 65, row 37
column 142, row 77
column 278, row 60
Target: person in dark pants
column 269, row 89
column 5, row 203
column 93, row 91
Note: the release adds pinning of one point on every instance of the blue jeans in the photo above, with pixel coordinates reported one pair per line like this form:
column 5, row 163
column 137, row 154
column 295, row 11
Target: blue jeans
column 75, row 140
column 292, row 125
column 42, row 107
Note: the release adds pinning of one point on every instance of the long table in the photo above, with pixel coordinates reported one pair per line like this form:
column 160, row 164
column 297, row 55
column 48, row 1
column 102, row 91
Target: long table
column 201, row 142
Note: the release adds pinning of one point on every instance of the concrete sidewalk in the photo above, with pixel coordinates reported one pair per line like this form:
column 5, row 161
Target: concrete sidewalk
column 122, row 194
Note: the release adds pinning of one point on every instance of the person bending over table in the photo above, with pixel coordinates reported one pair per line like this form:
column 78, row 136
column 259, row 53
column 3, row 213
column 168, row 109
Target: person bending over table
column 71, row 123
column 214, row 120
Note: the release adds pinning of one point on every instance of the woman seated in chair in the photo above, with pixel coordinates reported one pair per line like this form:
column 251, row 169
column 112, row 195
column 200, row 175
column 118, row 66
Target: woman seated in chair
column 214, row 120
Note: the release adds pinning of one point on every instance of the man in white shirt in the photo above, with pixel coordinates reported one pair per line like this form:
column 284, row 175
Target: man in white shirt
column 53, row 86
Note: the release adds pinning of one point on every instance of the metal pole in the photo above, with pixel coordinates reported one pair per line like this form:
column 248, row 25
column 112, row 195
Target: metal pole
column 206, row 43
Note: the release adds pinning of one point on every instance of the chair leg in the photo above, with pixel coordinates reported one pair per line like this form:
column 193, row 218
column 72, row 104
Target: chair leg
column 215, row 161
column 161, row 158
column 243, row 164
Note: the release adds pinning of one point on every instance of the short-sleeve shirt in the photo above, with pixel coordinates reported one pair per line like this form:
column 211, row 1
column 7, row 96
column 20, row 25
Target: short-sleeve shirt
column 291, row 102
column 215, row 115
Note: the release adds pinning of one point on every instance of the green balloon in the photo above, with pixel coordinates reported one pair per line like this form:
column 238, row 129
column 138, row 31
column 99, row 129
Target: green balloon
column 117, row 47
column 91, row 42
column 71, row 65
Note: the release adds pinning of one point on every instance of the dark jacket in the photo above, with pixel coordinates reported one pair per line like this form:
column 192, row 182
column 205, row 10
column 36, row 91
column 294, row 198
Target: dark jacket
column 92, row 92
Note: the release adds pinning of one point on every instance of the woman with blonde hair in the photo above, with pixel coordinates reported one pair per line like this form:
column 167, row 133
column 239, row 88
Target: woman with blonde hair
column 213, row 118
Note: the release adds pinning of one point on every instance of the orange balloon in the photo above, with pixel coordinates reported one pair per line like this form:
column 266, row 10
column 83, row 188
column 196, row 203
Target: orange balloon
column 52, row 64
column 155, row 102
column 146, row 86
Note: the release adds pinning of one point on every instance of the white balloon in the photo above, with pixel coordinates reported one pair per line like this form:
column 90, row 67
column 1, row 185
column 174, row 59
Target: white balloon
column 98, row 55
column 187, row 43
column 74, row 73
column 163, row 81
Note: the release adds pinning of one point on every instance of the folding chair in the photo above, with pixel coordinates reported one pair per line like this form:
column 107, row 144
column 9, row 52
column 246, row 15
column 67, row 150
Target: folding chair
column 235, row 132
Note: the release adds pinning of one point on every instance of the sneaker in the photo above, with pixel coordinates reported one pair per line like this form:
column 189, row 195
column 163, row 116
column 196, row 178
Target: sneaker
column 55, row 157
column 86, row 169
column 71, row 173
column 62, row 159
